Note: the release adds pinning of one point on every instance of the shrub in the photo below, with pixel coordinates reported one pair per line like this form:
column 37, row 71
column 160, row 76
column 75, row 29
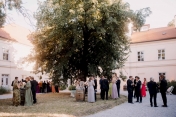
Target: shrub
column 71, row 87
column 63, row 87
column 172, row 83
column 4, row 90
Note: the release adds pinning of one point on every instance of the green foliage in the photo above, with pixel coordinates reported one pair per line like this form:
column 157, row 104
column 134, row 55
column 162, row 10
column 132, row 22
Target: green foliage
column 77, row 37
column 122, row 76
column 72, row 87
column 8, row 5
column 62, row 87
column 4, row 90
column 172, row 83
column 171, row 23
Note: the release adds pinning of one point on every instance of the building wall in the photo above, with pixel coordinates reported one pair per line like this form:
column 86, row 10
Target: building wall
column 151, row 66
column 15, row 66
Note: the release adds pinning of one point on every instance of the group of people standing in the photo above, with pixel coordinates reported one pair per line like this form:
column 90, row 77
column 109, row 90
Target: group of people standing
column 135, row 85
column 108, row 88
column 29, row 87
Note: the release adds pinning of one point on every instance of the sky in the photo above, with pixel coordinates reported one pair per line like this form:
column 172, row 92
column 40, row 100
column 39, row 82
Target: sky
column 163, row 11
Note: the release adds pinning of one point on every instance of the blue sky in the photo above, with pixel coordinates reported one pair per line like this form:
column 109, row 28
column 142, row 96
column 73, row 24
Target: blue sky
column 163, row 11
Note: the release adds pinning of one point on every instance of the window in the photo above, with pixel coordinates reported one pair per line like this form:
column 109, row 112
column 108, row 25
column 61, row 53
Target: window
column 140, row 56
column 161, row 54
column 4, row 80
column 5, row 54
column 162, row 73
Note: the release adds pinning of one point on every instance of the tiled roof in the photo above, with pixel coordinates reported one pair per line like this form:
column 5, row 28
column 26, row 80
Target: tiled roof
column 156, row 34
column 15, row 32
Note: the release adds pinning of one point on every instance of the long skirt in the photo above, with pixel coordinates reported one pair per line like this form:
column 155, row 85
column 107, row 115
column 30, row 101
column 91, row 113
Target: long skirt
column 16, row 97
column 110, row 90
column 53, row 89
column 91, row 94
column 114, row 91
column 28, row 97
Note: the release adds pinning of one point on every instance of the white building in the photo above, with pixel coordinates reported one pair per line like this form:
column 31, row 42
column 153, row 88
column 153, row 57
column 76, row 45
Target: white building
column 14, row 46
column 153, row 52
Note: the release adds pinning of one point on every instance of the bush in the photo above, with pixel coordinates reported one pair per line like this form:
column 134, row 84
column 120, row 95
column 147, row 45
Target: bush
column 172, row 83
column 62, row 87
column 4, row 90
column 71, row 87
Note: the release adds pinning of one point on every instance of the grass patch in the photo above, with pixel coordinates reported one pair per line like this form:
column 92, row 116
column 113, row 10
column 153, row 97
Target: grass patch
column 58, row 104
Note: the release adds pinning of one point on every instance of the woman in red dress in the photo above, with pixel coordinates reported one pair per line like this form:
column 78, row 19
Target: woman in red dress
column 143, row 89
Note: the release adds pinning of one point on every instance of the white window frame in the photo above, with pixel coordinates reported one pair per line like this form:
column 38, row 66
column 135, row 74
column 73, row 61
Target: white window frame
column 161, row 54
column 5, row 80
column 140, row 59
column 6, row 52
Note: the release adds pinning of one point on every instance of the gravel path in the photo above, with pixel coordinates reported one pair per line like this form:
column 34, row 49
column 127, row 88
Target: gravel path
column 141, row 109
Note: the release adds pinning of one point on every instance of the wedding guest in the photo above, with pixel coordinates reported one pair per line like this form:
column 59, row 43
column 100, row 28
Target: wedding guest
column 114, row 88
column 134, row 92
column 37, row 88
column 40, row 86
column 110, row 88
column 33, row 88
column 91, row 95
column 56, row 87
column 152, row 86
column 28, row 93
column 130, row 85
column 44, row 87
column 104, row 88
column 163, row 89
column 47, row 87
column 16, row 92
column 95, row 86
column 138, row 89
column 100, row 81
column 143, row 89
column 118, row 84
column 53, row 87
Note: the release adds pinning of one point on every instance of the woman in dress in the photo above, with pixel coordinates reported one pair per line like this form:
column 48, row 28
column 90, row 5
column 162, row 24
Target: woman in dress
column 53, row 87
column 114, row 88
column 143, row 89
column 16, row 93
column 110, row 89
column 91, row 94
column 28, row 93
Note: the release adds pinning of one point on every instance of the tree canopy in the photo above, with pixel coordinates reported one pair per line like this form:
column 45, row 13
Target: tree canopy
column 171, row 23
column 8, row 5
column 80, row 36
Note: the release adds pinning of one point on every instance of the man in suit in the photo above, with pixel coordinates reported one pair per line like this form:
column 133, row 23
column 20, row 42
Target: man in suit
column 134, row 95
column 33, row 88
column 100, row 81
column 130, row 89
column 104, row 88
column 118, row 86
column 138, row 90
column 95, row 86
column 163, row 89
column 16, row 78
column 152, row 86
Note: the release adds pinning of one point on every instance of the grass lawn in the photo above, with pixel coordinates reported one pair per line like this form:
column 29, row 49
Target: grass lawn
column 57, row 104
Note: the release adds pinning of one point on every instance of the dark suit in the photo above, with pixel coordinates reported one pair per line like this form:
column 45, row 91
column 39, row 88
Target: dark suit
column 130, row 91
column 104, row 88
column 163, row 89
column 134, row 95
column 152, row 86
column 33, row 89
column 95, row 88
column 100, row 89
column 138, row 91
column 118, row 87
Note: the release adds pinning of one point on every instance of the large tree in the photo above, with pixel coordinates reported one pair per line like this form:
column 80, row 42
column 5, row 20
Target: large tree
column 80, row 36
column 8, row 5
